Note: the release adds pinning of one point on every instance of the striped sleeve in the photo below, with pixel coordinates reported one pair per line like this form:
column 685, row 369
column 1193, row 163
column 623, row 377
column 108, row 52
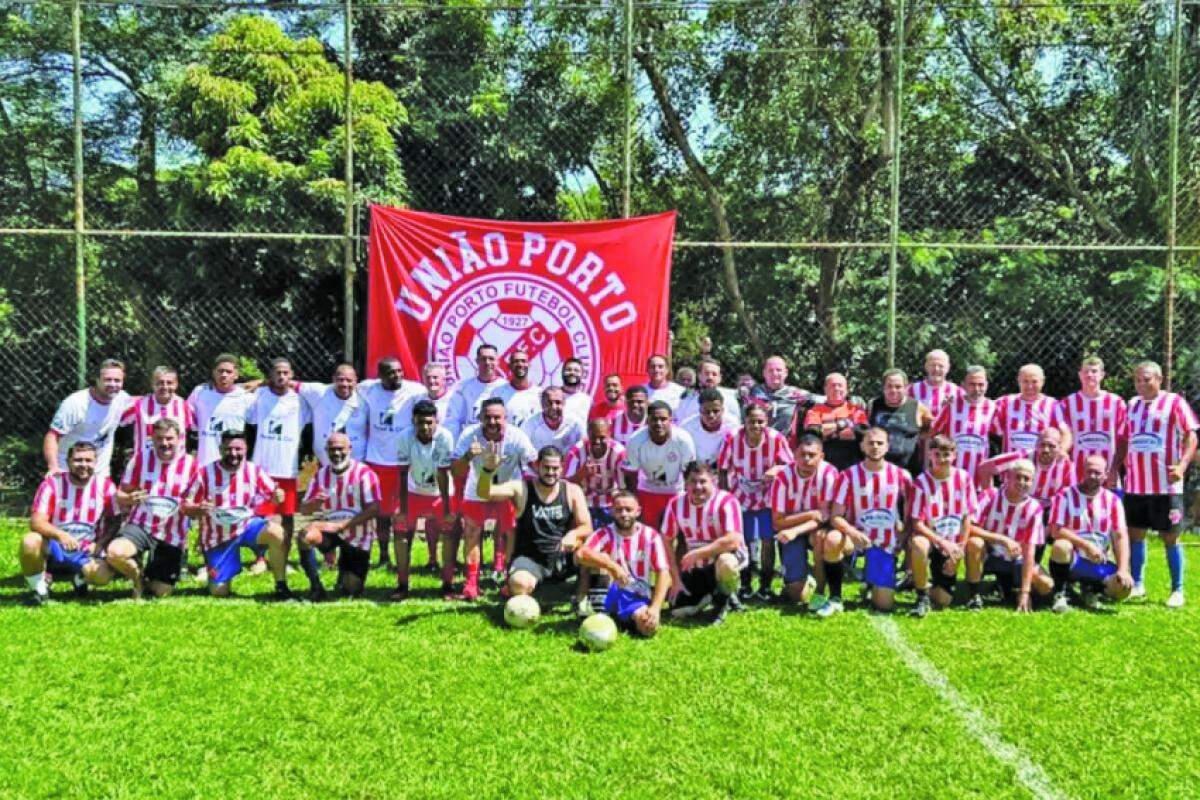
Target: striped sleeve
column 1185, row 417
column 730, row 515
column 725, row 455
column 45, row 497
column 658, row 552
column 1032, row 530
column 370, row 486
column 671, row 520
column 1060, row 515
column 131, row 470
column 841, row 491
column 600, row 541
column 109, row 498
column 573, row 460
column 779, row 493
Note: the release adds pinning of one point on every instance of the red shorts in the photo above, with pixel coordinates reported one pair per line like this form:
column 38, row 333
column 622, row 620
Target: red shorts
column 479, row 512
column 389, row 487
column 285, row 509
column 653, row 507
column 427, row 506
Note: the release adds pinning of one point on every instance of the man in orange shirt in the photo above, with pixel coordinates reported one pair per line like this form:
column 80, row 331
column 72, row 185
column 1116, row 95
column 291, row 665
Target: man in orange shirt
column 839, row 422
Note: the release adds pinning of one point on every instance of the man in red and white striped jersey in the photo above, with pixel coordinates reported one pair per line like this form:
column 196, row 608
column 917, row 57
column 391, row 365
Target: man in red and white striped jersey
column 635, row 561
column 1020, row 417
column 227, row 492
column 968, row 421
column 1088, row 525
column 703, row 528
column 67, row 510
column 1096, row 420
column 867, row 515
column 942, row 509
column 595, row 464
column 749, row 460
column 344, row 494
column 156, row 482
column 1053, row 471
column 162, row 403
column 935, row 390
column 1005, row 536
column 800, row 498
column 633, row 418
column 1162, row 444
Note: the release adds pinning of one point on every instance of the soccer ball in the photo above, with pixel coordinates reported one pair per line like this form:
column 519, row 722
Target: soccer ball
column 598, row 632
column 521, row 611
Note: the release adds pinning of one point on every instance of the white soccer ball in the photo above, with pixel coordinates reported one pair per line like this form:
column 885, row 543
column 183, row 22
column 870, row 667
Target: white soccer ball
column 598, row 632
column 521, row 611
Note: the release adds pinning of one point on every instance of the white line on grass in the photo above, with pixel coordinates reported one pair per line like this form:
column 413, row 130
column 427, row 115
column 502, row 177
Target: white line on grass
column 978, row 724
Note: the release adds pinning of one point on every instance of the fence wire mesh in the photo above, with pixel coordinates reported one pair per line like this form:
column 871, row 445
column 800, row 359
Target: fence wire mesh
column 1029, row 171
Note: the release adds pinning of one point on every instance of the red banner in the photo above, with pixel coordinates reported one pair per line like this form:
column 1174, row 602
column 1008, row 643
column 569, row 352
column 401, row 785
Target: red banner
column 441, row 286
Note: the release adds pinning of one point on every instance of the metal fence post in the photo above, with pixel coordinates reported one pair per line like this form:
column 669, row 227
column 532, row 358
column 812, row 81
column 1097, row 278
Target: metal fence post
column 80, row 271
column 894, row 229
column 348, row 266
column 1173, row 204
column 628, row 143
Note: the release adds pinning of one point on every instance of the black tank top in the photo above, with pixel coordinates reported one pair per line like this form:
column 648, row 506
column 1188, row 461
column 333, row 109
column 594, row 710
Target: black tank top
column 542, row 525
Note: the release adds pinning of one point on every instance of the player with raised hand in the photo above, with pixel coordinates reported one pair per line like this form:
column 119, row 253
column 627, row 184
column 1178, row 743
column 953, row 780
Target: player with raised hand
column 1162, row 443
column 227, row 492
column 935, row 390
column 943, row 506
column 654, row 462
column 1053, row 472
column 521, row 398
column 1006, row 533
column 633, row 417
column 801, row 494
column 1088, row 525
column 703, row 527
column 552, row 517
column 218, row 406
column 344, row 495
column 88, row 415
column 749, row 460
column 867, row 515
column 1096, row 419
column 552, row 426
column 659, row 385
column 968, row 421
column 156, row 483
column 426, row 452
column 595, row 464
column 711, row 427
column 67, row 510
column 515, row 454
column 634, row 558
column 163, row 402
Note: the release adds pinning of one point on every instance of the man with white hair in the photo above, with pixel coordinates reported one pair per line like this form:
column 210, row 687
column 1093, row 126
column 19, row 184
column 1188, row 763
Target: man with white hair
column 968, row 420
column 839, row 421
column 935, row 390
column 782, row 401
column 1020, row 417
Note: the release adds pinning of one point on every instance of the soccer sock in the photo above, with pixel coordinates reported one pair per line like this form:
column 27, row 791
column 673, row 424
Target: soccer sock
column 36, row 582
column 1175, row 564
column 473, row 576
column 1061, row 573
column 922, row 593
column 833, row 578
column 1137, row 560
column 281, row 586
column 972, row 588
column 448, row 572
column 259, row 553
column 308, row 562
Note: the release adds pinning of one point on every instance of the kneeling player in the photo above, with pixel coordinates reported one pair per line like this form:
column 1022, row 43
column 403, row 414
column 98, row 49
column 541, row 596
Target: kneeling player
column 800, row 498
column 345, row 493
column 226, row 492
column 1008, row 528
column 631, row 554
column 703, row 526
column 595, row 463
column 552, row 518
column 943, row 502
column 1088, row 522
column 62, row 538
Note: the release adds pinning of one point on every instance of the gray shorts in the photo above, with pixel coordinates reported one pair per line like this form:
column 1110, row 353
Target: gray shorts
column 141, row 540
column 540, row 572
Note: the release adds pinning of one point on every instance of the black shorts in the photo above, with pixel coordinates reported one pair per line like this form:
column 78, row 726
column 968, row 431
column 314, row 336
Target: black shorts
column 1155, row 512
column 1003, row 569
column 698, row 582
column 351, row 560
column 937, row 571
column 163, row 563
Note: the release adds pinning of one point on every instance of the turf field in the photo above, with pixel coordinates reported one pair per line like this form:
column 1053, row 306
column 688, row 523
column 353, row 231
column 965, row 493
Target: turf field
column 191, row 697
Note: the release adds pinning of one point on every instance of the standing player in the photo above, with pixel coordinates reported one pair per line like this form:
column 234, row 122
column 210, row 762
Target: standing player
column 703, row 527
column 711, row 427
column 782, row 401
column 935, row 391
column 839, row 421
column 385, row 399
column 551, row 514
column 633, row 418
column 968, row 421
column 344, row 494
column 552, row 426
column 279, row 416
column 88, row 415
column 613, row 403
column 478, row 515
column 1088, row 524
column 1162, row 443
column 425, row 453
column 659, row 384
column 448, row 401
column 943, row 506
column 218, row 406
column 472, row 391
column 156, row 483
column 226, row 492
column 1005, row 537
column 67, row 509
column 801, row 495
column 749, row 461
column 595, row 464
column 577, row 402
column 709, row 378
column 1020, row 417
column 866, row 514
column 1096, row 420
column 905, row 419
column 635, row 561
column 162, row 403
column 654, row 462
column 336, row 407
column 521, row 398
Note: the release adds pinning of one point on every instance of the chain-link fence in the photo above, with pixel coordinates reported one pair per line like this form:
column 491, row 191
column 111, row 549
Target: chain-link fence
column 857, row 182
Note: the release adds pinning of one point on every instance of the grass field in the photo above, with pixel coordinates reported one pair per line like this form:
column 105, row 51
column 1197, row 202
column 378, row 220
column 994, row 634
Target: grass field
column 191, row 697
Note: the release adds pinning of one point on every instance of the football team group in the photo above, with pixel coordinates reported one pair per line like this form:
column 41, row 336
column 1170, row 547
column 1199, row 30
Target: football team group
column 681, row 495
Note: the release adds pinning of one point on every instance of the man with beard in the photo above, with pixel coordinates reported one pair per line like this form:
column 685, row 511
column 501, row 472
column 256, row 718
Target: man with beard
column 613, row 403
column 520, row 397
column 88, row 415
column 782, row 401
column 577, row 402
column 654, row 462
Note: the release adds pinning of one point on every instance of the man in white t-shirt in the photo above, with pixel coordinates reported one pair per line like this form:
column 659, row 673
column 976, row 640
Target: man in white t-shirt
column 426, row 451
column 336, row 407
column 471, row 391
column 218, row 406
column 88, row 415
column 521, row 398
column 654, row 462
column 552, row 425
column 279, row 416
column 710, row 427
column 659, row 384
column 709, row 377
column 577, row 401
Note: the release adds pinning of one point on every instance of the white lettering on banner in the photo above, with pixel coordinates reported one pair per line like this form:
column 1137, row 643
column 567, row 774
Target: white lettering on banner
column 535, row 245
column 495, row 249
column 471, row 262
column 424, row 274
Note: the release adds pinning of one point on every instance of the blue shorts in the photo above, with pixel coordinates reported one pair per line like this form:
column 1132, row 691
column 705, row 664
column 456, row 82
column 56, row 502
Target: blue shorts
column 621, row 604
column 794, row 556
column 600, row 517
column 880, row 569
column 1084, row 570
column 65, row 562
column 757, row 525
column 225, row 561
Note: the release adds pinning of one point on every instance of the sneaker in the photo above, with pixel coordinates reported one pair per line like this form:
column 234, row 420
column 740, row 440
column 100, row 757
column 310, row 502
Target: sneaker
column 1138, row 590
column 399, row 594
column 259, row 567
column 724, row 608
column 1175, row 600
column 921, row 608
column 975, row 603
column 830, row 608
column 1061, row 606
column 817, row 602
column 318, row 595
column 907, row 584
column 284, row 595
column 692, row 610
column 583, row 608
column 765, row 595
column 1090, row 601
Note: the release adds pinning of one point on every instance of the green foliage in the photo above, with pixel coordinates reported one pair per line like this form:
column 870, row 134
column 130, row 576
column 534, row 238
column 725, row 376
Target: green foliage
column 691, row 337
